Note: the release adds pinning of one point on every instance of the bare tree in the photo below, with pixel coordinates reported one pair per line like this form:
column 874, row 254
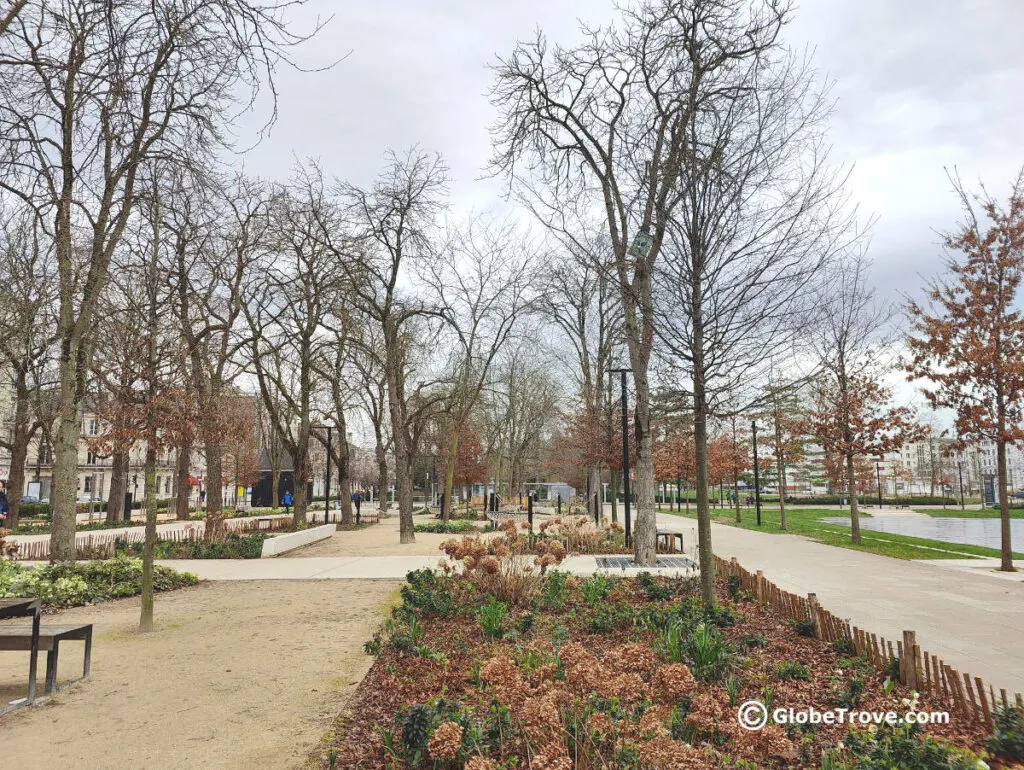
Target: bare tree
column 759, row 213
column 89, row 92
column 583, row 303
column 483, row 284
column 393, row 224
column 291, row 296
column 603, row 125
column 368, row 360
column 27, row 325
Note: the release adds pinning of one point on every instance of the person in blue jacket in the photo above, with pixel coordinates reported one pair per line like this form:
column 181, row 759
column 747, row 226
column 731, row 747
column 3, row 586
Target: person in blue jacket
column 286, row 501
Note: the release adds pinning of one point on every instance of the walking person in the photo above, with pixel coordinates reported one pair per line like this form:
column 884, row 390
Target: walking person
column 5, row 506
column 286, row 501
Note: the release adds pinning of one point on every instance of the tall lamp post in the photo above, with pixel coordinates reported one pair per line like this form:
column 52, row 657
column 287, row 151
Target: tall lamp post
column 327, row 480
column 625, row 455
column 878, row 479
column 757, row 475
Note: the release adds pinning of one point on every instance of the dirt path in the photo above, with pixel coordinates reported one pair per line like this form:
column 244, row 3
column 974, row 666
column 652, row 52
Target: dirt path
column 376, row 540
column 237, row 675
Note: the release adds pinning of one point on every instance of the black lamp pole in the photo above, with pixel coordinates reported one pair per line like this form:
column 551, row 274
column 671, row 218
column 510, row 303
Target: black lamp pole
column 878, row 478
column 757, row 476
column 625, row 456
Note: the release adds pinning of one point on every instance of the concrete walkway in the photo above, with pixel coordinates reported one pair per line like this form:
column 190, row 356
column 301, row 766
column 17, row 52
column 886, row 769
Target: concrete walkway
column 973, row 619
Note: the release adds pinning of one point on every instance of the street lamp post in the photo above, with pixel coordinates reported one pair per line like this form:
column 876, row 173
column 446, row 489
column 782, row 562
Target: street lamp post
column 757, row 475
column 625, row 456
column 878, row 480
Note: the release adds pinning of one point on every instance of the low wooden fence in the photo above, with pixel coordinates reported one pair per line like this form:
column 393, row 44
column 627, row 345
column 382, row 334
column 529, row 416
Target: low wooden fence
column 922, row 671
column 106, row 543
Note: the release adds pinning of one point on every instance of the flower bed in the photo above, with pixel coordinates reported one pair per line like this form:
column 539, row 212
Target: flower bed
column 234, row 546
column 499, row 665
column 70, row 585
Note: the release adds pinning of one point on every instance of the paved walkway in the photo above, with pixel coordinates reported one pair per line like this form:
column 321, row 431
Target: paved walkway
column 972, row 619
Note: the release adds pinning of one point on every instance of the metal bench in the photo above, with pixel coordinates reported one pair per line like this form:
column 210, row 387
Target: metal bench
column 17, row 637
column 669, row 539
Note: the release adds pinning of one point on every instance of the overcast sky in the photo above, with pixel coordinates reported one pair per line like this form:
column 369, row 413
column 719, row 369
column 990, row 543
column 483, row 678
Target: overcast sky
column 921, row 84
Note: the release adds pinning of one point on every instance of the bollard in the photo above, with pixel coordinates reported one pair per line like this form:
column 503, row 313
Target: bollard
column 529, row 511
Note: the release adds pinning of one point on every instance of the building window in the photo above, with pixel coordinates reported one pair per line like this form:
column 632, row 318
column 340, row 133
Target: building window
column 45, row 454
column 87, row 486
column 91, row 458
column 167, row 485
column 93, row 426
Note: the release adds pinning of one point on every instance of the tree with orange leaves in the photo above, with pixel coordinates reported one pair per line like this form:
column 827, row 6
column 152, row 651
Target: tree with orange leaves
column 675, row 460
column 851, row 420
column 970, row 342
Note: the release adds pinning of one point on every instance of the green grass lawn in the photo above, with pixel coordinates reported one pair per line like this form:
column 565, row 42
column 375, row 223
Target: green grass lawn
column 808, row 522
column 970, row 513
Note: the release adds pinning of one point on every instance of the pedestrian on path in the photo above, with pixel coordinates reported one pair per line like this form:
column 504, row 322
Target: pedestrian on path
column 5, row 506
column 286, row 501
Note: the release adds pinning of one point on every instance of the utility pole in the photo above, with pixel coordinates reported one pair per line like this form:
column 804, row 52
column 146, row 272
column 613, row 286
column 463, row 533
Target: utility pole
column 625, row 456
column 757, row 475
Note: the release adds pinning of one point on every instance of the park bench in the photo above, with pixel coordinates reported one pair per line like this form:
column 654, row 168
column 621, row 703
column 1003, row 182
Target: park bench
column 669, row 540
column 18, row 637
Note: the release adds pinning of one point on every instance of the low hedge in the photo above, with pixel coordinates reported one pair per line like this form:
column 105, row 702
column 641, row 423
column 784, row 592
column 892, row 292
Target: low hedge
column 68, row 584
column 249, row 546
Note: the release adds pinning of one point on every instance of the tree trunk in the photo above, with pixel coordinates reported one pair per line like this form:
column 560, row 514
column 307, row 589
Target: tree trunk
column 449, row 475
column 300, row 501
column 146, row 619
column 1006, row 548
column 382, row 478
column 780, row 468
column 594, row 480
column 65, row 472
column 700, row 443
column 214, row 492
column 118, row 486
column 275, row 483
column 851, row 488
column 23, row 432
column 182, row 490
column 645, row 533
column 344, row 461
column 614, row 486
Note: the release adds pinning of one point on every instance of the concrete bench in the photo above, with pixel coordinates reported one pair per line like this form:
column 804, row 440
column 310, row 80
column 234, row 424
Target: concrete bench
column 18, row 637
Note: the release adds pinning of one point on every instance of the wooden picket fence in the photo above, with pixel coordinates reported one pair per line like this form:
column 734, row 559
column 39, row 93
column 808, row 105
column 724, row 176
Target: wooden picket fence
column 970, row 697
column 102, row 543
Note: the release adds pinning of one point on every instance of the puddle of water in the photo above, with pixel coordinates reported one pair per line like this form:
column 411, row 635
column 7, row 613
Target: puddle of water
column 983, row 532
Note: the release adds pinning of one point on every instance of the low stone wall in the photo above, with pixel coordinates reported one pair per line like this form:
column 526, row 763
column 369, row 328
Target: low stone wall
column 279, row 544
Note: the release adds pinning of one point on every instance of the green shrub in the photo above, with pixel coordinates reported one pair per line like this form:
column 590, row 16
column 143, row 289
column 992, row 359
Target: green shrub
column 1007, row 738
column 66, row 584
column 453, row 527
column 249, row 546
column 596, row 589
column 899, row 746
column 793, row 670
column 847, row 696
column 803, row 627
column 709, row 654
column 492, row 617
column 754, row 640
column 844, row 646
column 427, row 591
column 733, row 583
column 654, row 591
column 552, row 591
